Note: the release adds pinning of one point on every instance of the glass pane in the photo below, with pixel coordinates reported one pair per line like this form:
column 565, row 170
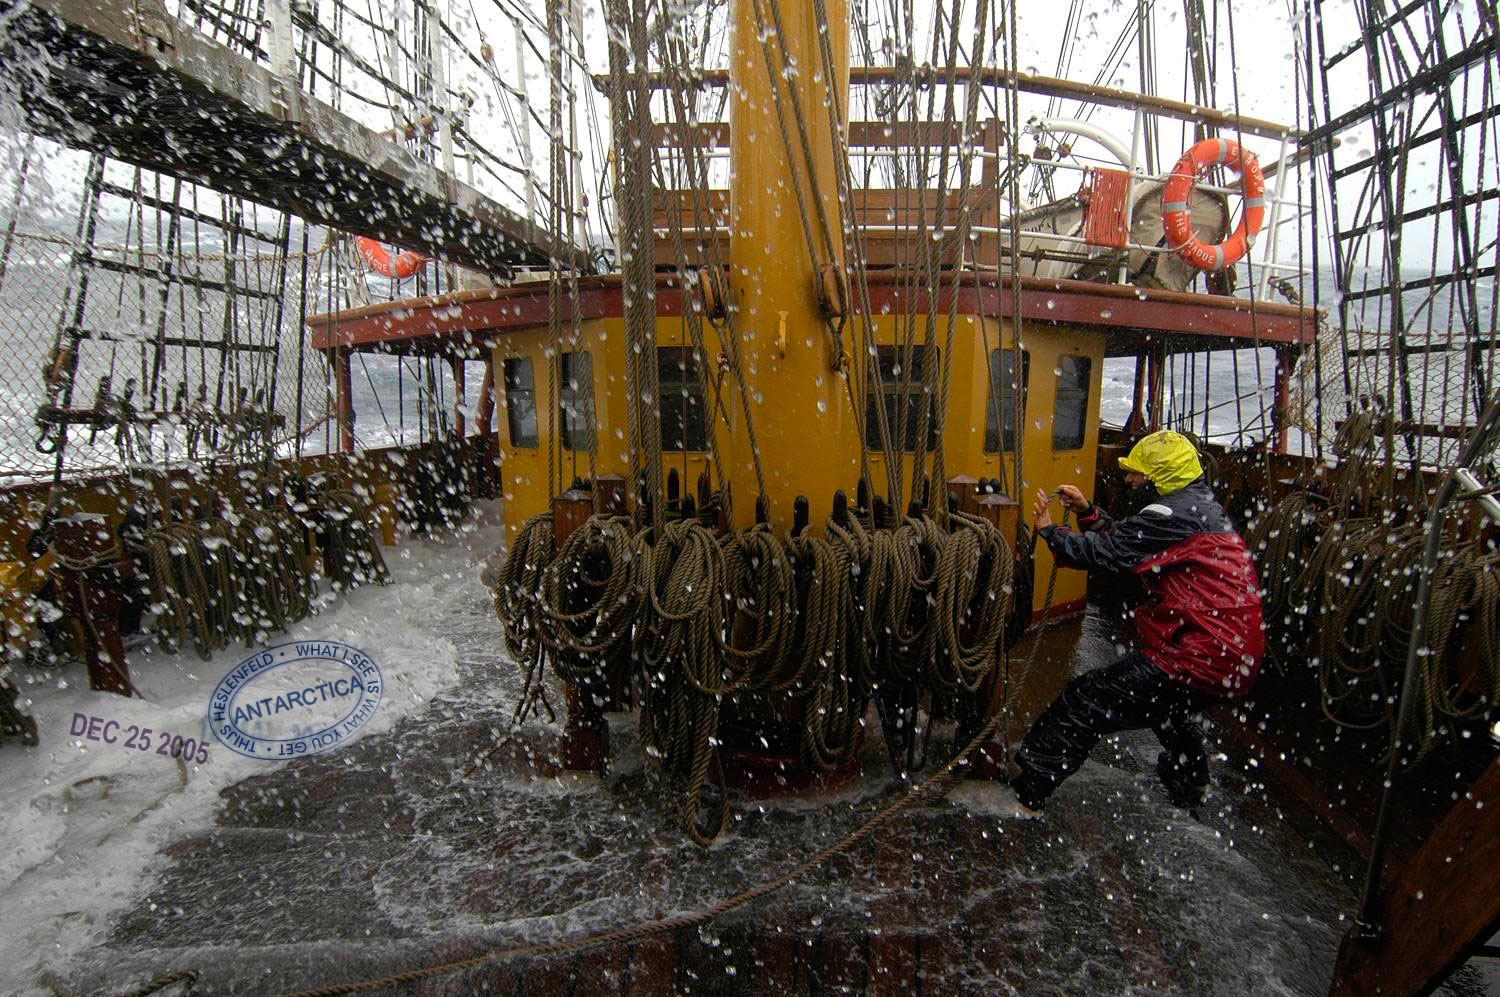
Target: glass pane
column 1001, row 381
column 1072, row 403
column 576, row 403
column 520, row 402
column 683, row 423
column 892, row 375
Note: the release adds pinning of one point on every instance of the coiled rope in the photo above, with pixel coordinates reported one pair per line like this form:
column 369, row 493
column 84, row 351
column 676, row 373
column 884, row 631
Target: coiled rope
column 517, row 602
column 193, row 584
column 352, row 552
column 1349, row 564
column 891, row 614
column 240, row 576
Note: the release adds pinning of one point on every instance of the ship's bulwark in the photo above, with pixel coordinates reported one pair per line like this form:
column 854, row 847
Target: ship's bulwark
column 378, row 857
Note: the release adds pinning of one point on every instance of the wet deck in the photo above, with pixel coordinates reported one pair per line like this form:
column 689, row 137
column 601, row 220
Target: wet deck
column 370, row 861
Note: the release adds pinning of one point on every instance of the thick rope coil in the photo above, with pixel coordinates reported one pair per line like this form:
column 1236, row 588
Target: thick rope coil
column 834, row 707
column 352, row 556
column 193, row 582
column 518, row 606
column 1281, row 539
column 974, row 583
column 897, row 608
column 590, row 598
column 763, row 587
column 1350, row 591
column 276, row 585
column 898, row 614
column 917, row 551
column 686, row 673
column 173, row 616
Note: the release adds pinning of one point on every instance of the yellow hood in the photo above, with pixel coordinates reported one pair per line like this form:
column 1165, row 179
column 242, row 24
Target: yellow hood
column 1167, row 459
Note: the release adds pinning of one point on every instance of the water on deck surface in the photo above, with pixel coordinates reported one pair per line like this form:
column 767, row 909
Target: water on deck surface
column 373, row 859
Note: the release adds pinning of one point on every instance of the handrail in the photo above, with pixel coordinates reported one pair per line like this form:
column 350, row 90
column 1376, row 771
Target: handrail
column 1047, row 86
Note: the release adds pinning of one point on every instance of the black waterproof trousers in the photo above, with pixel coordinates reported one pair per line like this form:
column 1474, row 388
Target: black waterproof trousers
column 1130, row 694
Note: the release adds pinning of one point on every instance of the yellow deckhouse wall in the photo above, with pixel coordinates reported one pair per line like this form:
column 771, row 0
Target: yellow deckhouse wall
column 524, row 469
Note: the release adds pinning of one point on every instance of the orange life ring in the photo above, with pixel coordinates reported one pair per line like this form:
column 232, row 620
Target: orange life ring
column 1178, row 224
column 379, row 259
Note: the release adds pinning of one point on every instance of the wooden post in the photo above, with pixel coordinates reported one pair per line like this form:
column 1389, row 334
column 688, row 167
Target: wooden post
column 966, row 491
column 344, row 379
column 1281, row 413
column 585, row 742
column 485, row 412
column 610, row 492
column 570, row 510
column 456, row 364
column 1003, row 511
column 1137, row 420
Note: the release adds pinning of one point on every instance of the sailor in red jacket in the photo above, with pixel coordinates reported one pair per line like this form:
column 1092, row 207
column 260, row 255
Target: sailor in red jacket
column 1201, row 637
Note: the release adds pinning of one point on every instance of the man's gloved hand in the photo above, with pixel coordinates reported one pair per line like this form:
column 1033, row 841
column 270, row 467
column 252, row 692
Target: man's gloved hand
column 1073, row 500
column 1041, row 518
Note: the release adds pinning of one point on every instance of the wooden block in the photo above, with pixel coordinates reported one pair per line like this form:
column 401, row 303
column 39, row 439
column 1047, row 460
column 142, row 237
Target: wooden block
column 966, row 490
column 611, row 491
column 570, row 510
column 830, row 291
column 1004, row 512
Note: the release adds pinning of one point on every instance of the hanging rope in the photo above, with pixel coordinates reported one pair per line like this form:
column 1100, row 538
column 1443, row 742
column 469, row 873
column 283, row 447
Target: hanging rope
column 836, row 620
column 517, row 602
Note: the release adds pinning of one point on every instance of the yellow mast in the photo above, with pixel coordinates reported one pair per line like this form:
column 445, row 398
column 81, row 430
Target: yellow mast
column 806, row 434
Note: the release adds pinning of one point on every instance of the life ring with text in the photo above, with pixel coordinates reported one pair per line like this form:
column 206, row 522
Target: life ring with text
column 380, row 260
column 1178, row 224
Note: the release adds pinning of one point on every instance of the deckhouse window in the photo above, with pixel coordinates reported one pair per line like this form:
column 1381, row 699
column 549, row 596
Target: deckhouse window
column 1071, row 411
column 520, row 402
column 1001, row 383
column 892, row 377
column 576, row 401
column 684, row 425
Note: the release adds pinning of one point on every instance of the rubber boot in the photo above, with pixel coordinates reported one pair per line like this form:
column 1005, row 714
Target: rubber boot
column 1182, row 789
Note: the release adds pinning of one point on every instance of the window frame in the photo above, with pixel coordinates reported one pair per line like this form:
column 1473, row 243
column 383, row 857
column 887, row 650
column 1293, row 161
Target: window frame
column 514, row 390
column 891, row 393
column 684, row 386
column 574, row 385
column 1065, row 445
column 995, row 445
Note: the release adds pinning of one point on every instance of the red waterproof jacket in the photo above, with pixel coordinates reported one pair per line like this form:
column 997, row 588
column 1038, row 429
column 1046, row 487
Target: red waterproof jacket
column 1201, row 623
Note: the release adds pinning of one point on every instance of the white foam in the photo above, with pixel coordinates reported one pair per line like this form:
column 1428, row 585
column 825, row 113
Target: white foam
column 84, row 821
column 985, row 798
